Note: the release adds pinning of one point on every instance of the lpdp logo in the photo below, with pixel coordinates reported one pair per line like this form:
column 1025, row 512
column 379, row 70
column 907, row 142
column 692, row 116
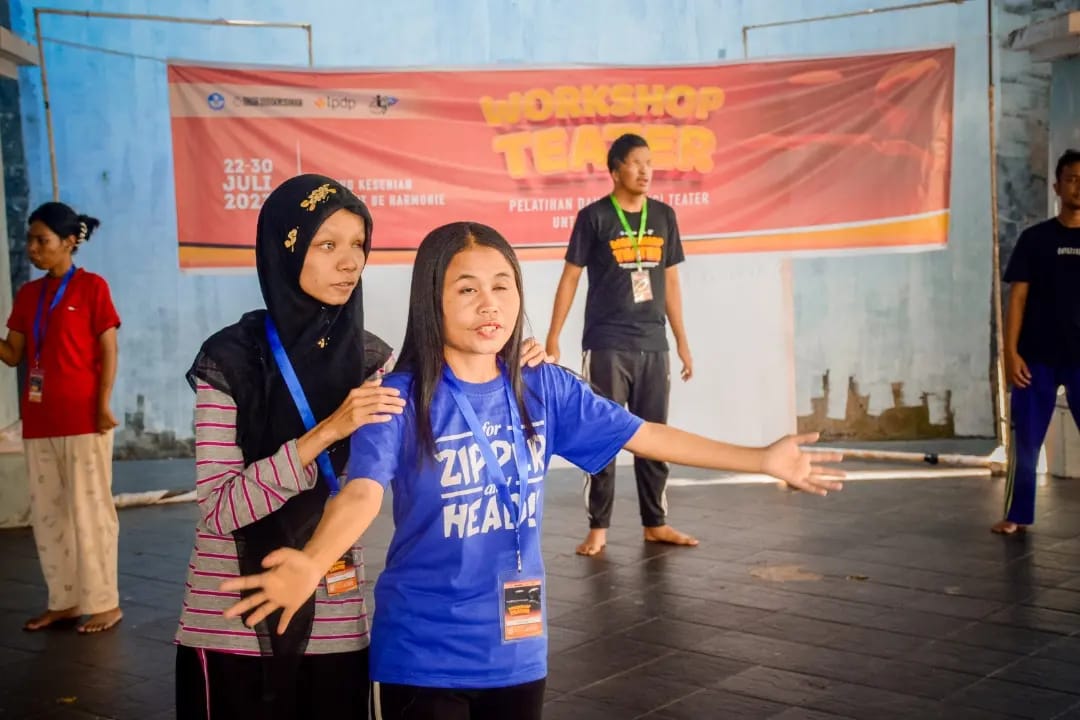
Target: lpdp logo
column 335, row 102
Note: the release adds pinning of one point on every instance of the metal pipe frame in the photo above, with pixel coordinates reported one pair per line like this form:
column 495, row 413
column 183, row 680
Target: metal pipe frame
column 855, row 13
column 220, row 22
column 998, row 322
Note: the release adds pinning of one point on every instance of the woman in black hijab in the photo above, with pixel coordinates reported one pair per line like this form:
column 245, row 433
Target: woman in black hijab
column 265, row 467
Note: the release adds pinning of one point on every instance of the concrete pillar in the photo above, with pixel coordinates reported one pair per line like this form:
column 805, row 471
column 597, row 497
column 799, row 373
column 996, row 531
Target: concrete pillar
column 9, row 397
column 14, row 495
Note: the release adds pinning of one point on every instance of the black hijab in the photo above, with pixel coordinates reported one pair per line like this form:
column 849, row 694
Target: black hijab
column 326, row 345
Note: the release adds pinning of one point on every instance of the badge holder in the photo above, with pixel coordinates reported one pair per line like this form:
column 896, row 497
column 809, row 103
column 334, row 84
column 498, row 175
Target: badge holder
column 342, row 577
column 521, row 606
column 642, row 285
column 35, row 385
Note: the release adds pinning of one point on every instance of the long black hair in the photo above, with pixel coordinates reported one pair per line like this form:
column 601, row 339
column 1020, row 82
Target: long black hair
column 422, row 350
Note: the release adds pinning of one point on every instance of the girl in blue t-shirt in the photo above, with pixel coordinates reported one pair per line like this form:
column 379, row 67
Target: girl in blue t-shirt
column 460, row 625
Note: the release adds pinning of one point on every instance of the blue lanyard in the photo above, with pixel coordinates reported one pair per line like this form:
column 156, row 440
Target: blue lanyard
column 39, row 327
column 491, row 462
column 299, row 399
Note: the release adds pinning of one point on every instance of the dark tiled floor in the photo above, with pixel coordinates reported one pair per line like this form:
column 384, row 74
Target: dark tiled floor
column 889, row 600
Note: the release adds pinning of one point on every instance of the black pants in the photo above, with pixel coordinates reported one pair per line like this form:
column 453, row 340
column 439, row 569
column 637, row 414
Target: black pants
column 642, row 382
column 407, row 702
column 220, row 686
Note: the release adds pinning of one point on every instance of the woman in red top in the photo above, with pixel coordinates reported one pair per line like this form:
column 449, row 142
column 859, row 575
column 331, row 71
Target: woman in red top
column 64, row 326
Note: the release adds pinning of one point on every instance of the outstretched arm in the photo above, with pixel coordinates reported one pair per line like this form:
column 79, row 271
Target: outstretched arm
column 784, row 459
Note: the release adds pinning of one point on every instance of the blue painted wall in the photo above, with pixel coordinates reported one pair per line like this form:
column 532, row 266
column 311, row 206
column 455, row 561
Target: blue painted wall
column 922, row 320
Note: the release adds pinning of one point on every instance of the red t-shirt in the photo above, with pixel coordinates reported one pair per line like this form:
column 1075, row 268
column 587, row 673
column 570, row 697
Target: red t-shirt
column 70, row 353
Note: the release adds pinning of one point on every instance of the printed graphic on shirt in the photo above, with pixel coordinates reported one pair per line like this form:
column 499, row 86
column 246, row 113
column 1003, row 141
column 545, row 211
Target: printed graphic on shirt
column 472, row 504
column 651, row 248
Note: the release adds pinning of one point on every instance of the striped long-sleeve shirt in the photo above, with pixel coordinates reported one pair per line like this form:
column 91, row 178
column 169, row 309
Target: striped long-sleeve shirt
column 231, row 496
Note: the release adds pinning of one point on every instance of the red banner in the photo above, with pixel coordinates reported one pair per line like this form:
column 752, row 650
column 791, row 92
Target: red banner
column 843, row 153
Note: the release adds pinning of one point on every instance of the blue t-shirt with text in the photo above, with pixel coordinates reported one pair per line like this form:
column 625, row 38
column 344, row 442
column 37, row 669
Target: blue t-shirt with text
column 438, row 602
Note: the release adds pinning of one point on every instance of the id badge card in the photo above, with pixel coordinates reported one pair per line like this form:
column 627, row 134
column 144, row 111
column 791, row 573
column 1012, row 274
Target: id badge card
column 642, row 286
column 521, row 606
column 35, row 385
column 342, row 577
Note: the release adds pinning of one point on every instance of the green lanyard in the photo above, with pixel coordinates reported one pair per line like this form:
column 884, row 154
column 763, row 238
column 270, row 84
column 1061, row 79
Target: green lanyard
column 635, row 241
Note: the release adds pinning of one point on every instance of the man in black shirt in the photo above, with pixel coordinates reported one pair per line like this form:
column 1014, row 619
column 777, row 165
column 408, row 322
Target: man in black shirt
column 630, row 245
column 1042, row 338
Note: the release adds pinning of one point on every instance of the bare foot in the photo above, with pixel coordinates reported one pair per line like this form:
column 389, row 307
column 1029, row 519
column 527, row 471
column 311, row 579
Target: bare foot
column 100, row 622
column 669, row 535
column 594, row 542
column 1006, row 527
column 52, row 617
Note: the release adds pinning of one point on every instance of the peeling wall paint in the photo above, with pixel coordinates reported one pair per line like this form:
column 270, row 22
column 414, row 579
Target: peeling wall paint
column 932, row 417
